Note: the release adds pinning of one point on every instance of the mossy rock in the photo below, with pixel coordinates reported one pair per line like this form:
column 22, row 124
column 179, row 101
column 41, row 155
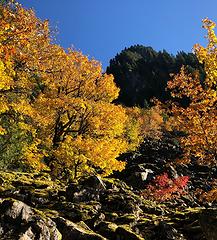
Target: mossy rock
column 114, row 182
column 41, row 193
column 19, row 219
column 153, row 207
column 120, row 203
column 51, row 213
column 78, row 212
column 166, row 231
column 42, row 184
column 22, row 179
column 78, row 231
column 111, row 216
column 87, row 211
column 144, row 226
column 127, row 219
column 107, row 229
column 124, row 232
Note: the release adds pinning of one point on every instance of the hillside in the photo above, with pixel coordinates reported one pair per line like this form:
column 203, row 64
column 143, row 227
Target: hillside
column 88, row 155
column 35, row 207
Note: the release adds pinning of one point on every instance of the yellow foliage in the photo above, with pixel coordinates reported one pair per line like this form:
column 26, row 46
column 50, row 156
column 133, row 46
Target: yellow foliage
column 31, row 156
column 59, row 103
column 199, row 119
column 210, row 196
column 143, row 123
column 6, row 80
column 82, row 154
column 2, row 131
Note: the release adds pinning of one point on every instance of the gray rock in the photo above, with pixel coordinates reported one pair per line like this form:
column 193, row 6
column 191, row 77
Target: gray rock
column 14, row 209
column 94, row 182
column 20, row 220
column 125, row 233
column 27, row 235
column 164, row 231
column 70, row 230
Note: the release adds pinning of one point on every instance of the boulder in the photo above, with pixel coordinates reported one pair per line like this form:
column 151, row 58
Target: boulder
column 121, row 203
column 19, row 219
column 114, row 232
column 78, row 211
column 208, row 223
column 125, row 233
column 165, row 231
column 71, row 189
column 94, row 182
column 14, row 210
column 78, row 231
column 107, row 229
column 88, row 189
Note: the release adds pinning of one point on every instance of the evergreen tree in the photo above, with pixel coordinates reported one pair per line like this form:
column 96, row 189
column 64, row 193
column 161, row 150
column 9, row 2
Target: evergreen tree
column 142, row 73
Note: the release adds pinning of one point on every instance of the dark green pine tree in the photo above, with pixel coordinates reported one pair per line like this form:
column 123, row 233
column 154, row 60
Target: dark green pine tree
column 142, row 73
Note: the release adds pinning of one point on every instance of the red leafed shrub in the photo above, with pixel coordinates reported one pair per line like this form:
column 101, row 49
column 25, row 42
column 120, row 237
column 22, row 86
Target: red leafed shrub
column 164, row 188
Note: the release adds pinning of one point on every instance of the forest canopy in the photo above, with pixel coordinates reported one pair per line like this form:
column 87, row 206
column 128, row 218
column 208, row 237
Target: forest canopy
column 60, row 112
column 199, row 119
column 143, row 73
column 56, row 107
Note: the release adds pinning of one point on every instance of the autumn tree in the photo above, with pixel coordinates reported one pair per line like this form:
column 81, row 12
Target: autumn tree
column 56, row 106
column 54, row 103
column 82, row 129
column 198, row 121
column 19, row 29
column 144, row 123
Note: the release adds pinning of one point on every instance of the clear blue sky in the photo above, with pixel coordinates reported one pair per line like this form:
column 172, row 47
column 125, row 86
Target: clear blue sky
column 102, row 28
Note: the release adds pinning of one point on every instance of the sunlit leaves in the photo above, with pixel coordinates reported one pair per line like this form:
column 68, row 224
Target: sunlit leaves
column 19, row 29
column 199, row 120
column 83, row 154
column 164, row 188
column 56, row 105
column 143, row 123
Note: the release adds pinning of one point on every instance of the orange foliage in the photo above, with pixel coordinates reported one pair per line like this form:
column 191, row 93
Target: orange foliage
column 59, row 103
column 19, row 30
column 199, row 119
column 144, row 123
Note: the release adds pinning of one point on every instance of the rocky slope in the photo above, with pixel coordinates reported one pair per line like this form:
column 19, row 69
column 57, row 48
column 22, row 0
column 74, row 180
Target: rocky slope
column 32, row 206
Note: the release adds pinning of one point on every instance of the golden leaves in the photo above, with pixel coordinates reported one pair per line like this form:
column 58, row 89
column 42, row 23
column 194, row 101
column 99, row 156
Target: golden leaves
column 143, row 123
column 59, row 103
column 6, row 81
column 199, row 119
column 85, row 153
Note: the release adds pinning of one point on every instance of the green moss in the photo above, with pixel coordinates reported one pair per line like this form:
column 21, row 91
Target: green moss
column 144, row 220
column 35, row 180
column 127, row 219
column 43, row 183
column 50, row 213
column 126, row 232
column 41, row 193
column 112, row 227
column 111, row 216
column 107, row 229
column 194, row 210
